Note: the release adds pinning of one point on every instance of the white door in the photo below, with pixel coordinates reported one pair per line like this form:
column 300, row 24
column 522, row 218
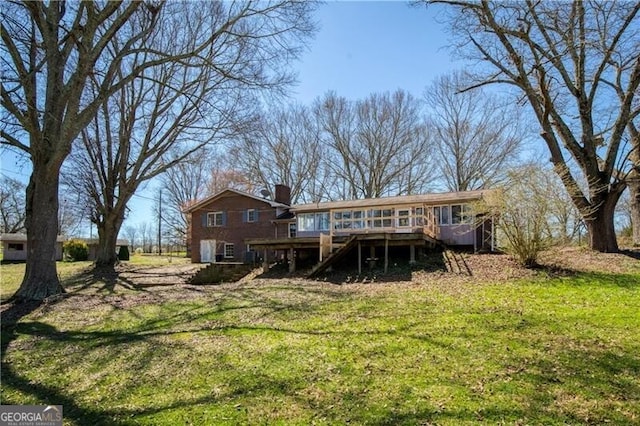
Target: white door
column 207, row 251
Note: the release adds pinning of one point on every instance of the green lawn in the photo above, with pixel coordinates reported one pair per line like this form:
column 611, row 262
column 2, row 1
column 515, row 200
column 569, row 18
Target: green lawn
column 11, row 274
column 562, row 350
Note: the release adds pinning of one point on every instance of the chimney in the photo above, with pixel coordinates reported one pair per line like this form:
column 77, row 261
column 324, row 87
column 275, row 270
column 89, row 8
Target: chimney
column 283, row 194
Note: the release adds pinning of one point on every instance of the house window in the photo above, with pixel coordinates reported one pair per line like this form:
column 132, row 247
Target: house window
column 387, row 213
column 456, row 214
column 15, row 246
column 343, row 219
column 337, row 220
column 375, row 222
column 228, row 250
column 381, row 218
column 313, row 221
column 348, row 219
column 251, row 215
column 306, row 222
column 292, row 230
column 215, row 219
column 403, row 218
column 419, row 216
column 322, row 221
column 357, row 219
column 441, row 214
column 460, row 213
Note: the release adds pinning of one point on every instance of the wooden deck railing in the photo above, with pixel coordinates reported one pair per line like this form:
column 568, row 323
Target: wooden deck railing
column 430, row 229
column 395, row 223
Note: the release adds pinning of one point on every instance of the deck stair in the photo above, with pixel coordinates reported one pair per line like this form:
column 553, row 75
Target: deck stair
column 215, row 273
column 455, row 262
column 336, row 255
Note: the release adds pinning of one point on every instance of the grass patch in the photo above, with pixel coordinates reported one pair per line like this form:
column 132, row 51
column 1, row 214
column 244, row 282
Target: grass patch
column 11, row 274
column 558, row 350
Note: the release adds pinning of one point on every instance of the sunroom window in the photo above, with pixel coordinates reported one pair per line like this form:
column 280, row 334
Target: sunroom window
column 403, row 218
column 313, row 222
column 461, row 214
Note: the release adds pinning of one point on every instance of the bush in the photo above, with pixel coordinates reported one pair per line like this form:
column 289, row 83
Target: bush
column 123, row 253
column 75, row 250
column 525, row 207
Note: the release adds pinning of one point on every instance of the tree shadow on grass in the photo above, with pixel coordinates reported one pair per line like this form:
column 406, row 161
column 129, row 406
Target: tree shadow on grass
column 587, row 278
column 632, row 253
column 46, row 393
column 103, row 279
column 241, row 385
column 180, row 321
column 596, row 370
column 579, row 377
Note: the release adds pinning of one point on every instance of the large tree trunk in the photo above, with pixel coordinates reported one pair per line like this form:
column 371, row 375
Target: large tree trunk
column 40, row 279
column 600, row 225
column 108, row 231
column 634, row 191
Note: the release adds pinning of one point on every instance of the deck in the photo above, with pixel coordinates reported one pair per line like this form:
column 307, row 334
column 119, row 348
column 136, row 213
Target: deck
column 333, row 248
column 397, row 239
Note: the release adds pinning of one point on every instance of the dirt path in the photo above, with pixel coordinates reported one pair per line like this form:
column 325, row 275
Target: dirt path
column 159, row 276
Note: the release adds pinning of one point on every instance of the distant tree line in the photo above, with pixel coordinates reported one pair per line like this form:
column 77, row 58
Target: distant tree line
column 105, row 97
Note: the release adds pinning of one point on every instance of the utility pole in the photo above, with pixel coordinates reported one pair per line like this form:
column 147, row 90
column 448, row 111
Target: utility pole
column 160, row 222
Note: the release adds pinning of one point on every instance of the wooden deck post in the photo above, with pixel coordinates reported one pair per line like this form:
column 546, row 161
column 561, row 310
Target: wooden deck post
column 372, row 257
column 359, row 258
column 292, row 260
column 412, row 254
column 386, row 253
column 265, row 261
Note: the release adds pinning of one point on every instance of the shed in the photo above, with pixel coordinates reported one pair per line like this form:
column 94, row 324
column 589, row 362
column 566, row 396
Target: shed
column 14, row 247
column 92, row 244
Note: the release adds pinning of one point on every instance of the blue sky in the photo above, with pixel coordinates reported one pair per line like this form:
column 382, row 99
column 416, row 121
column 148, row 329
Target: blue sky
column 367, row 47
column 362, row 47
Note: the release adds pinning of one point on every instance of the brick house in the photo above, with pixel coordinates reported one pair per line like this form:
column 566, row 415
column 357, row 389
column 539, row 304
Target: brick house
column 221, row 224
column 233, row 226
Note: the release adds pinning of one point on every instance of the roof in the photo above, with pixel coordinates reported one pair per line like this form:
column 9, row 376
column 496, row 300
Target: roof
column 220, row 194
column 287, row 215
column 435, row 198
column 23, row 237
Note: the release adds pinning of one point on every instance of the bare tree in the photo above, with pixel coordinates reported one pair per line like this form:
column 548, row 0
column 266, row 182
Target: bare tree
column 563, row 221
column 225, row 173
column 185, row 183
column 524, row 213
column 283, row 148
column 50, row 53
column 578, row 66
column 136, row 136
column 73, row 209
column 12, row 204
column 476, row 134
column 131, row 234
column 380, row 145
column 633, row 177
column 53, row 53
column 170, row 112
column 145, row 230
